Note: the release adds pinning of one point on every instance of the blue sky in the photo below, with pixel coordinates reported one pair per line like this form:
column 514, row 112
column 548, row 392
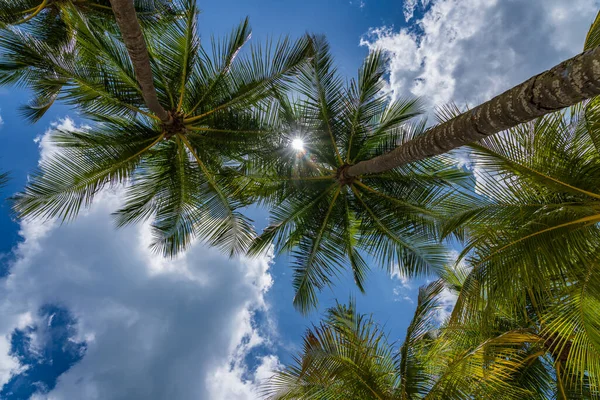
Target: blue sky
column 88, row 312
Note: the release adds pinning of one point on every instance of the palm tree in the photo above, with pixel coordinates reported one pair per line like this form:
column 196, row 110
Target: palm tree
column 329, row 222
column 566, row 84
column 181, row 171
column 533, row 233
column 348, row 356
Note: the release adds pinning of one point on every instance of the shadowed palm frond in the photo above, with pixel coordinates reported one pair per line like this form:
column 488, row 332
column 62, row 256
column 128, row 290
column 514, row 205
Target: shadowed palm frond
column 50, row 20
column 345, row 357
column 3, row 178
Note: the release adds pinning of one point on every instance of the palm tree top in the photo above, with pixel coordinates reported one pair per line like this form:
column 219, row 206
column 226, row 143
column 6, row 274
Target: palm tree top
column 329, row 221
column 183, row 173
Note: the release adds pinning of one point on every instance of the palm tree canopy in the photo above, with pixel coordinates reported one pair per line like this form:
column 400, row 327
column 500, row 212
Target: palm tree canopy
column 348, row 356
column 328, row 222
column 533, row 234
column 182, row 174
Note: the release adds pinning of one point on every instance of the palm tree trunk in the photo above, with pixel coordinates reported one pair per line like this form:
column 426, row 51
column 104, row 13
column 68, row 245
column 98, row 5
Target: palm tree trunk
column 566, row 84
column 133, row 38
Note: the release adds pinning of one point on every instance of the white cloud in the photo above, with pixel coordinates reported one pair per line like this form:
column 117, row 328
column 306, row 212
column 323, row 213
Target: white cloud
column 411, row 5
column 360, row 3
column 44, row 142
column 403, row 288
column 154, row 328
column 446, row 301
column 399, row 276
column 467, row 51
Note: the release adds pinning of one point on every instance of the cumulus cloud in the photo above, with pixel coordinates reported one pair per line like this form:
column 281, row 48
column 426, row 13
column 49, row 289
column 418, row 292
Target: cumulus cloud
column 411, row 5
column 153, row 328
column 467, row 51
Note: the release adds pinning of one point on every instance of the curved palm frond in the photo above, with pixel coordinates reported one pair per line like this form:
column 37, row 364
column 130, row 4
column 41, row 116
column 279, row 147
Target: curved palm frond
column 50, row 20
column 3, row 178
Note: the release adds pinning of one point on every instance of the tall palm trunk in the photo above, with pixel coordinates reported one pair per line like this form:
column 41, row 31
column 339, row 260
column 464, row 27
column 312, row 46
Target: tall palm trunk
column 566, row 84
column 133, row 38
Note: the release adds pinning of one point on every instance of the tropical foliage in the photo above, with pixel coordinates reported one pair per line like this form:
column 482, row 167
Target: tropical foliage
column 525, row 324
column 348, row 356
column 329, row 222
column 533, row 237
column 181, row 174
column 49, row 20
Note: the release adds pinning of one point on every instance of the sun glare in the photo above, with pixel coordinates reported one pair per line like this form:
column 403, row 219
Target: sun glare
column 298, row 144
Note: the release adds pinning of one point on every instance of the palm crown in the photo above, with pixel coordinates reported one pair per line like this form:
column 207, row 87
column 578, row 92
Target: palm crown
column 348, row 356
column 179, row 173
column 329, row 221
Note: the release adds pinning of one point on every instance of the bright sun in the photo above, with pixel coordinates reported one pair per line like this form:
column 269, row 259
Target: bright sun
column 298, row 144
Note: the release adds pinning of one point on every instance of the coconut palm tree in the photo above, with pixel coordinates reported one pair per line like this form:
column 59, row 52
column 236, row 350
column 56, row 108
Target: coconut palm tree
column 348, row 356
column 180, row 171
column 532, row 238
column 52, row 23
column 533, row 233
column 328, row 222
column 339, row 135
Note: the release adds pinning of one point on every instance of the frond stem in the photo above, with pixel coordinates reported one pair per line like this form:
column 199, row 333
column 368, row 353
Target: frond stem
column 385, row 196
column 317, row 241
column 101, row 6
column 307, row 178
column 199, row 129
column 36, row 11
column 186, row 57
column 206, row 173
column 559, row 381
column 590, row 219
column 536, row 172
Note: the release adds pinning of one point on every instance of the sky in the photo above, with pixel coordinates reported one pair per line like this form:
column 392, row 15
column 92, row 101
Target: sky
column 89, row 312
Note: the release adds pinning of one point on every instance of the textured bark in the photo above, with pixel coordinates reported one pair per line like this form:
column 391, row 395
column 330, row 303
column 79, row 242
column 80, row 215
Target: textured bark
column 566, row 84
column 133, row 38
